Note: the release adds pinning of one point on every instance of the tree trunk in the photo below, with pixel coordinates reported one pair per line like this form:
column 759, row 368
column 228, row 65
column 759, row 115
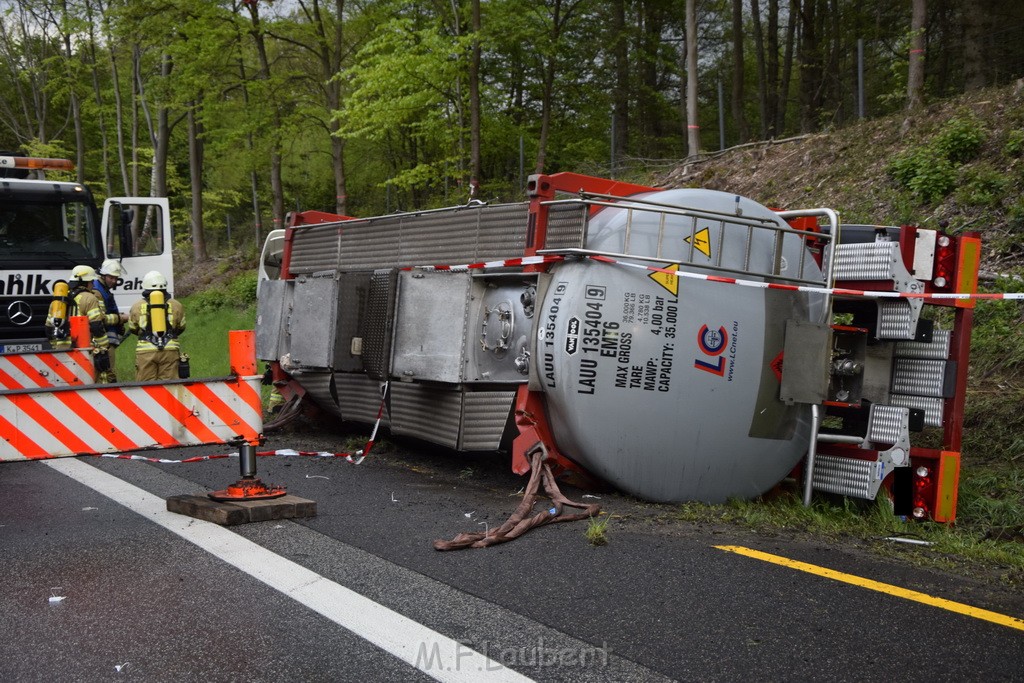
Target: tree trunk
column 692, row 126
column 976, row 25
column 915, row 74
column 772, row 69
column 276, row 185
column 738, row 115
column 475, row 168
column 809, row 61
column 787, row 68
column 195, row 167
column 759, row 53
column 620, row 91
column 97, row 93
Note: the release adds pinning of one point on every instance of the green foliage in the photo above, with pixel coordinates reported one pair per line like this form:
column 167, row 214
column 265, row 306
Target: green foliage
column 597, row 530
column 929, row 172
column 982, row 185
column 1014, row 146
column 926, row 173
column 997, row 341
column 239, row 292
column 1015, row 216
column 960, row 140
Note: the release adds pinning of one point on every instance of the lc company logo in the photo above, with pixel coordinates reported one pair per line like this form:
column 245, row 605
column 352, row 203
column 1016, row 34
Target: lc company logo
column 713, row 343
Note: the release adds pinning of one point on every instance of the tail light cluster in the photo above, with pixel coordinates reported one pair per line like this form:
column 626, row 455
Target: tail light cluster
column 944, row 275
column 923, row 492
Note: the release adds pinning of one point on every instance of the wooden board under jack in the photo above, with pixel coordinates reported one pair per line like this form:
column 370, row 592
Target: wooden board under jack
column 242, row 511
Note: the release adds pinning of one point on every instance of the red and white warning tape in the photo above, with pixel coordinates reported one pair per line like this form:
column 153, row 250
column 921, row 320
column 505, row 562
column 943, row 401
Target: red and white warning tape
column 219, row 456
column 834, row 291
column 506, row 263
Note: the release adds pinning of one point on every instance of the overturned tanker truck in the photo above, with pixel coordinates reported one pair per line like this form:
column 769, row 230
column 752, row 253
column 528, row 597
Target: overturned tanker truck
column 681, row 344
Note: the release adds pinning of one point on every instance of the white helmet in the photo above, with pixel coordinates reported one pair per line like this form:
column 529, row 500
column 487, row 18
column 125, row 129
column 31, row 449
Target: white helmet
column 84, row 273
column 112, row 267
column 154, row 280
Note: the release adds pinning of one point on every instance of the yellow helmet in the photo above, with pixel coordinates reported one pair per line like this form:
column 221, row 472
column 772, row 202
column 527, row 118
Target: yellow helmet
column 83, row 273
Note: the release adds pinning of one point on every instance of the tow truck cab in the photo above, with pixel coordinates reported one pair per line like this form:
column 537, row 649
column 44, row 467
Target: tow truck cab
column 48, row 227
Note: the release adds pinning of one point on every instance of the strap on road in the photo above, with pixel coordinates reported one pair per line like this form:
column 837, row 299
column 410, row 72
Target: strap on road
column 518, row 524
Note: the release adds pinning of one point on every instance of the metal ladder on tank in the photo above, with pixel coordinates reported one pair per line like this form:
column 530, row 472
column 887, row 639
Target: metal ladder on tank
column 726, row 221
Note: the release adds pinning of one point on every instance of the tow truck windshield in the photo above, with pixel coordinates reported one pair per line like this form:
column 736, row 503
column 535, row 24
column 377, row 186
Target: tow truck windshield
column 63, row 231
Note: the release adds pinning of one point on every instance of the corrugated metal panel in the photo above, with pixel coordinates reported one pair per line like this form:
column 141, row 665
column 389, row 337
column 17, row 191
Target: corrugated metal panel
column 318, row 386
column 845, row 476
column 866, row 261
column 485, row 416
column 369, row 244
column 502, row 232
column 887, row 423
column 315, row 249
column 427, row 413
column 933, row 408
column 359, row 397
column 938, row 349
column 567, row 225
column 465, row 234
column 918, row 377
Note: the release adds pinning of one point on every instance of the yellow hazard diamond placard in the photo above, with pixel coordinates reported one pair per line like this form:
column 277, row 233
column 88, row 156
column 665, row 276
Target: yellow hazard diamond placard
column 667, row 280
column 702, row 241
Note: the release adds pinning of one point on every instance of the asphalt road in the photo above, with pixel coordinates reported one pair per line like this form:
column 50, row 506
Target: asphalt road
column 99, row 587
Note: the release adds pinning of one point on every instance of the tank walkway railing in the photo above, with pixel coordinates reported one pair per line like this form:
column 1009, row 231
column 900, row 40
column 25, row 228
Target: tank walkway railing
column 753, row 226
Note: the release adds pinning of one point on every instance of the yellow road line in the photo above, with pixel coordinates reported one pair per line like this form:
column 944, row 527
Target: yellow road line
column 906, row 594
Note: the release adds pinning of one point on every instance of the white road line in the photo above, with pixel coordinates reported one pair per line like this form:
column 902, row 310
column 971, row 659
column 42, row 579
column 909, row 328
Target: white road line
column 434, row 654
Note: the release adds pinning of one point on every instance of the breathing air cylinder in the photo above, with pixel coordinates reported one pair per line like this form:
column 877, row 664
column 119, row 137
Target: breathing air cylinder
column 158, row 317
column 59, row 307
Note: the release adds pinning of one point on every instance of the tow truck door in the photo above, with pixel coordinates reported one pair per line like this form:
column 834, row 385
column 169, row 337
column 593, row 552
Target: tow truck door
column 137, row 230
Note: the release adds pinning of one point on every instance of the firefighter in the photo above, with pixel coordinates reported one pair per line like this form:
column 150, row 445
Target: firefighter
column 82, row 300
column 110, row 275
column 157, row 320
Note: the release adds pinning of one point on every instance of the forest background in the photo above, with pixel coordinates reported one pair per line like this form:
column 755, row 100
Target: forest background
column 241, row 111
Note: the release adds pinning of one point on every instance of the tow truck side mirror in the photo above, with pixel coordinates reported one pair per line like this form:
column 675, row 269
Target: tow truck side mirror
column 125, row 216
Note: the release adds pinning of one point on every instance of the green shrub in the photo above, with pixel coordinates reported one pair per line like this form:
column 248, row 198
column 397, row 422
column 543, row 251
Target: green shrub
column 242, row 289
column 960, row 140
column 929, row 172
column 1014, row 146
column 1015, row 215
column 982, row 186
column 934, row 178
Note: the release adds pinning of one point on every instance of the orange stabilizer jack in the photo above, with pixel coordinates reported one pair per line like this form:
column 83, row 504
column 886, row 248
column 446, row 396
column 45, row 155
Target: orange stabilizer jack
column 248, row 488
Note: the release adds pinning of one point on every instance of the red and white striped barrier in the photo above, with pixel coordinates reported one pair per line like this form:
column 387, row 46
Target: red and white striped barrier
column 46, row 369
column 111, row 418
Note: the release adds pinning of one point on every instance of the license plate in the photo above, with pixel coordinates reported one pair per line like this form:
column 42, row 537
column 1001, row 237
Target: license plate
column 20, row 348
